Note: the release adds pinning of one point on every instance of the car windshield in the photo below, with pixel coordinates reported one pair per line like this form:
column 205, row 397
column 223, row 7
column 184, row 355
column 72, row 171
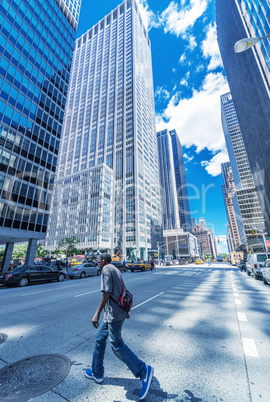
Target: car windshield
column 262, row 257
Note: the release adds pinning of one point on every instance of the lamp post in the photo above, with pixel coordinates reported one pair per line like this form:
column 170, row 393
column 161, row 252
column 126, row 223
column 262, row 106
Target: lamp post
column 244, row 44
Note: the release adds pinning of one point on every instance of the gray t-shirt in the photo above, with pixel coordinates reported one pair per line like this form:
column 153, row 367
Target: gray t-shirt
column 111, row 282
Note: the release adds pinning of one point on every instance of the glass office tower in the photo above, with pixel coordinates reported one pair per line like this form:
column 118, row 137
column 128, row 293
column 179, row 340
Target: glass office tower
column 110, row 119
column 174, row 195
column 251, row 218
column 36, row 45
column 249, row 81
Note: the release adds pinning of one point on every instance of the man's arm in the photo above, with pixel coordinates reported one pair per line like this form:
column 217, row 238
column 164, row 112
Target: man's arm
column 95, row 319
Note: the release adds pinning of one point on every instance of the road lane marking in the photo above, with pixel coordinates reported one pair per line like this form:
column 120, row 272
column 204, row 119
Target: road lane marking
column 87, row 293
column 242, row 316
column 237, row 301
column 151, row 298
column 249, row 347
column 50, row 290
column 236, row 295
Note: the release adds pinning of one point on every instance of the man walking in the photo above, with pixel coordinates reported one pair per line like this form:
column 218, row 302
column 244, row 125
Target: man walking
column 112, row 287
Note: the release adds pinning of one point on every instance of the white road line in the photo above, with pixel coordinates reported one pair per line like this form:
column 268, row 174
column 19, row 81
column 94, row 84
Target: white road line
column 236, row 295
column 87, row 293
column 249, row 347
column 242, row 316
column 50, row 290
column 138, row 305
column 237, row 301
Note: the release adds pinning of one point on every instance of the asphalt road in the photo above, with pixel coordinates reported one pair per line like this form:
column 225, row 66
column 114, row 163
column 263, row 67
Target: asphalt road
column 205, row 330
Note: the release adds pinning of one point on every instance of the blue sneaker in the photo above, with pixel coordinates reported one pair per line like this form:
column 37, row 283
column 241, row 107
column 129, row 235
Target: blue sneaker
column 89, row 374
column 146, row 382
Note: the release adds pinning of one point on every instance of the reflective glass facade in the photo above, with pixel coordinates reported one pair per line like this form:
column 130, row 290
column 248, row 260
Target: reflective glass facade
column 36, row 45
column 174, row 195
column 245, row 206
column 110, row 119
column 248, row 78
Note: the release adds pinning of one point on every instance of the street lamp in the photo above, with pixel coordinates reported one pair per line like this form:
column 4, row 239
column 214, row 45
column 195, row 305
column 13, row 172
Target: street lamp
column 246, row 43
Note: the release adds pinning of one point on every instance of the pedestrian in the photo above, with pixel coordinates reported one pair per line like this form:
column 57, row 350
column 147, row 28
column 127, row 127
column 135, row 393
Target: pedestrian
column 112, row 287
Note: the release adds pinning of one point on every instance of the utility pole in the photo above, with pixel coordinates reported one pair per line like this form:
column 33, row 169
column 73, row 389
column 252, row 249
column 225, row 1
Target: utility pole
column 158, row 250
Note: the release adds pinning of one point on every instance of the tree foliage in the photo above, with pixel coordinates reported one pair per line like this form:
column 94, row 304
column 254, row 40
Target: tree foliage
column 19, row 250
column 41, row 252
column 67, row 247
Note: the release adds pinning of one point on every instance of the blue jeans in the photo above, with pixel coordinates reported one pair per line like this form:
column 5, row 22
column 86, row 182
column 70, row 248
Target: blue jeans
column 113, row 330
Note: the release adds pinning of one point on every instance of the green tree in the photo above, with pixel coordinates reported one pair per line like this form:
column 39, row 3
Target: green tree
column 2, row 252
column 19, row 250
column 41, row 252
column 67, row 247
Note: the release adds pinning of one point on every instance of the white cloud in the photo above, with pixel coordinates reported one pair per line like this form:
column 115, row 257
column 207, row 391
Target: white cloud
column 213, row 166
column 184, row 82
column 148, row 16
column 182, row 58
column 210, row 48
column 197, row 119
column 192, row 42
column 188, row 158
column 162, row 93
column 178, row 18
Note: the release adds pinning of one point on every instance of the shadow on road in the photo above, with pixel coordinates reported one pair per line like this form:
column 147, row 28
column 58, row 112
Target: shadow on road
column 155, row 391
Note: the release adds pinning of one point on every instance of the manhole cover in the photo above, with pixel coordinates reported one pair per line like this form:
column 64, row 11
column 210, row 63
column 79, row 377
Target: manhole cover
column 3, row 338
column 33, row 376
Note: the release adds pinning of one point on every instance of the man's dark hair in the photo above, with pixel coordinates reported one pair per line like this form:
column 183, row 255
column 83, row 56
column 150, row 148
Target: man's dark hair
column 106, row 257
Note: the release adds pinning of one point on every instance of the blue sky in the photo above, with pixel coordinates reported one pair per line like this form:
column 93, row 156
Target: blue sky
column 188, row 82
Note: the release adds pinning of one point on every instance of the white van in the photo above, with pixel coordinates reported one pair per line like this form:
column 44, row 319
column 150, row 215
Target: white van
column 255, row 262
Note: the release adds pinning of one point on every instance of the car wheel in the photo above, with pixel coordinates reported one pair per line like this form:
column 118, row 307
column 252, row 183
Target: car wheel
column 248, row 273
column 60, row 278
column 98, row 272
column 132, row 270
column 265, row 282
column 82, row 275
column 125, row 269
column 256, row 276
column 23, row 282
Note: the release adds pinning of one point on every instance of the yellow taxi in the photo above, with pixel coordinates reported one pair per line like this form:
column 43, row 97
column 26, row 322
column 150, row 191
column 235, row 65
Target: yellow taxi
column 75, row 262
column 199, row 261
column 139, row 266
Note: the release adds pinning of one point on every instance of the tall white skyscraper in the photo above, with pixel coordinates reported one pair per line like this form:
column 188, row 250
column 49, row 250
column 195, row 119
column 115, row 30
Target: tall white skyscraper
column 110, row 122
column 247, row 202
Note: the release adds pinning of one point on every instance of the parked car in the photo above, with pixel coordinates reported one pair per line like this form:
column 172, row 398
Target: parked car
column 23, row 275
column 199, row 261
column 83, row 270
column 120, row 266
column 140, row 266
column 242, row 265
column 265, row 272
column 255, row 262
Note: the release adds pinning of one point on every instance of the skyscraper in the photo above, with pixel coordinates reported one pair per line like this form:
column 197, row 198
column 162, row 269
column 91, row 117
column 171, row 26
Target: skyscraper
column 37, row 42
column 247, row 199
column 228, row 190
column 174, row 194
column 110, row 120
column 249, row 80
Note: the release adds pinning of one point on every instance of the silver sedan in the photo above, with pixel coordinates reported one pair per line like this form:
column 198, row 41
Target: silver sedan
column 83, row 270
column 265, row 271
